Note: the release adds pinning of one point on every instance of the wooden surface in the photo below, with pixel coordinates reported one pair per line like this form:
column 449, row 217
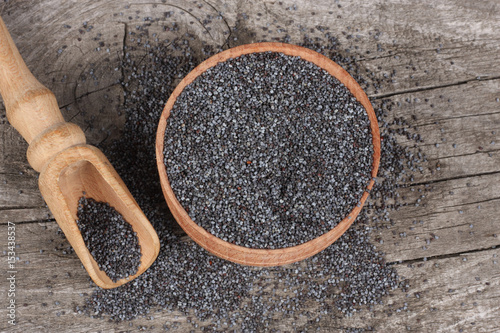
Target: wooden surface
column 446, row 55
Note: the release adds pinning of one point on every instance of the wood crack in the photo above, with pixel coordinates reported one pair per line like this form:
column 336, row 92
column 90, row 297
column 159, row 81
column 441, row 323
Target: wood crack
column 441, row 256
column 457, row 117
column 472, row 203
column 420, row 89
column 226, row 42
column 451, row 178
column 465, row 154
column 87, row 94
column 380, row 56
column 20, row 207
column 31, row 222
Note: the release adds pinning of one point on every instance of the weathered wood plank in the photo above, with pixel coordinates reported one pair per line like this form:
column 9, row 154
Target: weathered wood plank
column 441, row 51
column 456, row 294
column 50, row 284
column 448, row 217
column 63, row 51
column 19, row 191
column 20, row 215
column 481, row 131
column 390, row 24
column 460, row 126
column 428, row 49
column 12, row 148
column 66, row 70
column 82, row 42
column 445, row 294
column 435, row 217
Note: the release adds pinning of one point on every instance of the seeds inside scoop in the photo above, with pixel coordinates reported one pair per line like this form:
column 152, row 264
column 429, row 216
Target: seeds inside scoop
column 110, row 239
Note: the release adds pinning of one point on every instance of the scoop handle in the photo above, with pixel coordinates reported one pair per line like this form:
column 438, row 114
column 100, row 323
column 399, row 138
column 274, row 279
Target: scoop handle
column 32, row 108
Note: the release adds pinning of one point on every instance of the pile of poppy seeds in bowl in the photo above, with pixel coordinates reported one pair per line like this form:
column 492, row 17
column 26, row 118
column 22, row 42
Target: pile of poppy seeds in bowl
column 267, row 150
column 109, row 238
column 218, row 295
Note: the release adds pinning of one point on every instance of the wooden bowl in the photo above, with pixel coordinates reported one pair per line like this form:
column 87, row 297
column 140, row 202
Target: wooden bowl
column 264, row 257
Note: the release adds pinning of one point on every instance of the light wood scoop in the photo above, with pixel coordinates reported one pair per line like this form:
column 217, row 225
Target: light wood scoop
column 263, row 257
column 68, row 167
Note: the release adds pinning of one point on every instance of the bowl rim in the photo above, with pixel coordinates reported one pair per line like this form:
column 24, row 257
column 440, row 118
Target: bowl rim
column 264, row 257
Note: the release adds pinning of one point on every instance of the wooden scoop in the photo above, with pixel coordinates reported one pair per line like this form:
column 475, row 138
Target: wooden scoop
column 68, row 167
column 263, row 257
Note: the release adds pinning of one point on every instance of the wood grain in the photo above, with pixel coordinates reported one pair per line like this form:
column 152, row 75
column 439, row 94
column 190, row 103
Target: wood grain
column 34, row 214
column 444, row 48
column 433, row 308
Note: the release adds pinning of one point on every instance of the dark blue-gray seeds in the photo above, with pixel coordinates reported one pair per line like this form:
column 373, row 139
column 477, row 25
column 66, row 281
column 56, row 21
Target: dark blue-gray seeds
column 268, row 150
column 351, row 264
column 110, row 239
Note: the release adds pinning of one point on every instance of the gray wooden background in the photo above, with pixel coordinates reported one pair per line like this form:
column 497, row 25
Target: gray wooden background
column 447, row 58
